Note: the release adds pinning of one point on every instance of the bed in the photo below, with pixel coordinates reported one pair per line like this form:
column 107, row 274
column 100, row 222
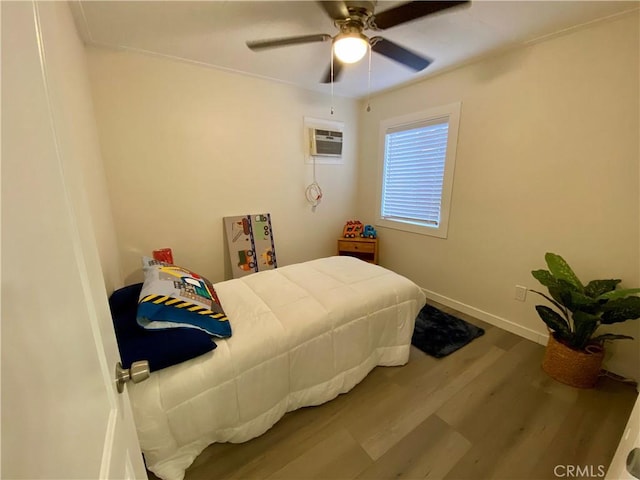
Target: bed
column 302, row 335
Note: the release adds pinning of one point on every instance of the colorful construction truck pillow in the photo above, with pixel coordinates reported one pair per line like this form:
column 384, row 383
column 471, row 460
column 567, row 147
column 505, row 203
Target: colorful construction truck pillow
column 174, row 297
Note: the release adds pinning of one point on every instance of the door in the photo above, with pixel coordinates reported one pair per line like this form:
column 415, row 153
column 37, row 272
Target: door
column 626, row 461
column 61, row 416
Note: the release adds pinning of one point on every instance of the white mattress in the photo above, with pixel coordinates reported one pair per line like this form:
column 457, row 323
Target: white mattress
column 302, row 334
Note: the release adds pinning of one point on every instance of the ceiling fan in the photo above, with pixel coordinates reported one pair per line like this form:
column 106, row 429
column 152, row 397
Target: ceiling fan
column 351, row 44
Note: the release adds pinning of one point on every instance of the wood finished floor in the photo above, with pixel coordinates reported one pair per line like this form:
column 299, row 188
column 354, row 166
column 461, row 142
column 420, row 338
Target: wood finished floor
column 487, row 411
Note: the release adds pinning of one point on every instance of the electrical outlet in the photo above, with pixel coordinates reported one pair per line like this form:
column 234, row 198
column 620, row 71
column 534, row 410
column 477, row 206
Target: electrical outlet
column 521, row 293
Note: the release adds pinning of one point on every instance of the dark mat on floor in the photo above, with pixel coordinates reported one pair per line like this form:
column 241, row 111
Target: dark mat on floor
column 439, row 334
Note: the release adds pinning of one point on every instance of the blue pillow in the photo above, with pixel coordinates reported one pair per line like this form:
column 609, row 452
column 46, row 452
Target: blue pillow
column 161, row 348
column 174, row 297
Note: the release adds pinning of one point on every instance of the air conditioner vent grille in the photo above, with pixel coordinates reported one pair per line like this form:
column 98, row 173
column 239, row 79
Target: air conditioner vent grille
column 325, row 143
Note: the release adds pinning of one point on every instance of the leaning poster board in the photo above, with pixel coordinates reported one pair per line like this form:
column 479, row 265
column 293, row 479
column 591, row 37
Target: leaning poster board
column 250, row 240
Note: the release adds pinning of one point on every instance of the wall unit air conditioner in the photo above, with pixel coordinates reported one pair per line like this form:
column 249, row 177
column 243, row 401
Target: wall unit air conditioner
column 325, row 143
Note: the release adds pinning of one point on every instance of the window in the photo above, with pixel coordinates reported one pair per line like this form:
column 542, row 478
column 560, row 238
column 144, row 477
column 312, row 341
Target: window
column 416, row 174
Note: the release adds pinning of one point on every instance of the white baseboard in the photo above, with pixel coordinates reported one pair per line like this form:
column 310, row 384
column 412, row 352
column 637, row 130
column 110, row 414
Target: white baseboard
column 500, row 322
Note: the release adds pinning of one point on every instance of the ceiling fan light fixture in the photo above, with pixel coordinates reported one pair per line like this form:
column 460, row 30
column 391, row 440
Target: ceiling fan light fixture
column 350, row 47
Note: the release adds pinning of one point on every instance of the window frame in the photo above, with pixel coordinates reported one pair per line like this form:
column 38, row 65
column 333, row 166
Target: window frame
column 450, row 112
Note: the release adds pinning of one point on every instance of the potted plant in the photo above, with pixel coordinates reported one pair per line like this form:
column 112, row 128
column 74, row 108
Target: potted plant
column 575, row 350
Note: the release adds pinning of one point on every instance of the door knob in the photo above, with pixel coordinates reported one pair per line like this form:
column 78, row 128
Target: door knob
column 138, row 372
column 633, row 462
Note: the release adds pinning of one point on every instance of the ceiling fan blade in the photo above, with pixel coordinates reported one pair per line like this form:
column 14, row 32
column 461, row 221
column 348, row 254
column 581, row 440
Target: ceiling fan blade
column 258, row 45
column 337, row 69
column 411, row 11
column 337, row 10
column 399, row 54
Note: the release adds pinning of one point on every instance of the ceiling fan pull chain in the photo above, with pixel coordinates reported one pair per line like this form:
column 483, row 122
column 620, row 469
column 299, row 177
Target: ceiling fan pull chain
column 369, row 83
column 331, row 79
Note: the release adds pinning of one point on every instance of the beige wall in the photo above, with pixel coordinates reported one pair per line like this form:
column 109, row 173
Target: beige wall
column 70, row 95
column 72, row 114
column 185, row 146
column 547, row 160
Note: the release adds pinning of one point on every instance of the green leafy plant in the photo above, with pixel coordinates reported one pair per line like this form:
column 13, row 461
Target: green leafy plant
column 582, row 308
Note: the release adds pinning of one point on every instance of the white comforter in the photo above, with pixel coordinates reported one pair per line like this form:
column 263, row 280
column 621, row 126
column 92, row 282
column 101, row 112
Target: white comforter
column 302, row 335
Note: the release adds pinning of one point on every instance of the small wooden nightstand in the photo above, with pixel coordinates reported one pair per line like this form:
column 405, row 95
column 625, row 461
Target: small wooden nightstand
column 363, row 248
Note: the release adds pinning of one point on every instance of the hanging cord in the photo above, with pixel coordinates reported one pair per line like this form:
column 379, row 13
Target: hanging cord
column 369, row 83
column 313, row 191
column 331, row 89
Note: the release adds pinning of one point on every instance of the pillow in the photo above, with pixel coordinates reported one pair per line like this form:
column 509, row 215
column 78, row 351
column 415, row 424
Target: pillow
column 161, row 348
column 174, row 297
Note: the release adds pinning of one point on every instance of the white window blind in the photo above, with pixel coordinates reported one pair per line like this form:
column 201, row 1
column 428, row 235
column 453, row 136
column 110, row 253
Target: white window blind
column 413, row 172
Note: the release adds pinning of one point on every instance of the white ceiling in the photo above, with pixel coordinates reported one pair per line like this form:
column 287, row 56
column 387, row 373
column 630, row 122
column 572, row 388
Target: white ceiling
column 214, row 33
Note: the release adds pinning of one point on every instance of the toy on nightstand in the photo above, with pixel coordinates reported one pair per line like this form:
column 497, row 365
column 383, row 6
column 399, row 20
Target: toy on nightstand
column 369, row 232
column 352, row 229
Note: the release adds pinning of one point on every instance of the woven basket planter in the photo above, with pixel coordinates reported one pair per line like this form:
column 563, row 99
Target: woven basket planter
column 572, row 367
